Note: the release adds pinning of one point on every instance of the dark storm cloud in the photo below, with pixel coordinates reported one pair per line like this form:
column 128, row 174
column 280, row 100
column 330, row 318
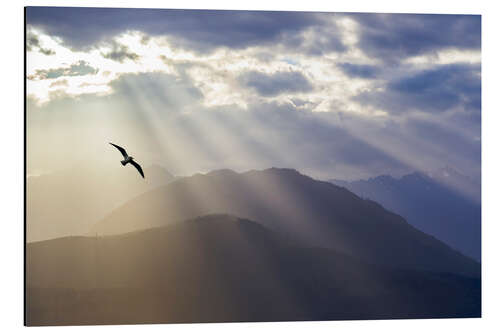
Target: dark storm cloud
column 434, row 90
column 393, row 37
column 120, row 53
column 362, row 71
column 276, row 83
column 201, row 30
column 77, row 69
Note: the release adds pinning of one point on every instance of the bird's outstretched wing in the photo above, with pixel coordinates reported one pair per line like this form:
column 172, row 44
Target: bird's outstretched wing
column 138, row 167
column 124, row 153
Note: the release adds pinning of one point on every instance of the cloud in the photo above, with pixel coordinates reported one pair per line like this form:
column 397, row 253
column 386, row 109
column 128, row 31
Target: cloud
column 32, row 43
column 434, row 90
column 77, row 69
column 59, row 83
column 163, row 114
column 47, row 52
column 317, row 40
column 120, row 53
column 362, row 71
column 393, row 37
column 218, row 89
column 201, row 30
column 276, row 83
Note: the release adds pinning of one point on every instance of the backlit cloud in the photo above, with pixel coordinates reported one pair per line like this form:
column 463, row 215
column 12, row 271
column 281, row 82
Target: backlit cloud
column 276, row 83
column 334, row 95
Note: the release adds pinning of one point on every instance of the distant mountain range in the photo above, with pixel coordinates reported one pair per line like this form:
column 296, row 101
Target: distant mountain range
column 312, row 212
column 220, row 268
column 69, row 201
column 264, row 245
column 444, row 204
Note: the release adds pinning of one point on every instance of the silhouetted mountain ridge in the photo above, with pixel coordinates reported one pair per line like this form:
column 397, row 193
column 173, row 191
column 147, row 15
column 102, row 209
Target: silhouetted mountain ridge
column 220, row 268
column 429, row 205
column 303, row 209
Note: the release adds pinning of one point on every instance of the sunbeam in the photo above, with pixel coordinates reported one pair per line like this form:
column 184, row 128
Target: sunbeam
column 293, row 166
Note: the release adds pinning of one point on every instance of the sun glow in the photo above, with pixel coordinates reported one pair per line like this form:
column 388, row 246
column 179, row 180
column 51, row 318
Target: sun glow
column 215, row 74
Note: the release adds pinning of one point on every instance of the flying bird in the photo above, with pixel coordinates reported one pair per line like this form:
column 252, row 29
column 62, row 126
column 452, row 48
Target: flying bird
column 128, row 159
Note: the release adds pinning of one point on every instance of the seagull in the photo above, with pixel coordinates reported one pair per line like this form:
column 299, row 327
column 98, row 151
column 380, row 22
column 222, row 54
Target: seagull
column 128, row 159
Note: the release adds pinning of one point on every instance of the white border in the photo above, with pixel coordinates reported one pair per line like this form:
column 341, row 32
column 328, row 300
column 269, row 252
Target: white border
column 11, row 146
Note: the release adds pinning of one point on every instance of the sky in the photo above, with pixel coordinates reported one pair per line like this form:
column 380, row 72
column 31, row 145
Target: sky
column 333, row 95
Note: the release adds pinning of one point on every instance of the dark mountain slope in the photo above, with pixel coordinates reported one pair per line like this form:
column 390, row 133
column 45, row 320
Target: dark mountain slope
column 314, row 212
column 221, row 268
column 429, row 205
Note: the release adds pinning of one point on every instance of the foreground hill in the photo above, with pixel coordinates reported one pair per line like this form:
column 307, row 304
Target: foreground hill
column 314, row 212
column 69, row 201
column 429, row 204
column 220, row 268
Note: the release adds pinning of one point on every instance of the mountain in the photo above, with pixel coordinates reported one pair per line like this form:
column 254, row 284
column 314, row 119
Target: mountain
column 312, row 212
column 68, row 202
column 220, row 268
column 430, row 203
